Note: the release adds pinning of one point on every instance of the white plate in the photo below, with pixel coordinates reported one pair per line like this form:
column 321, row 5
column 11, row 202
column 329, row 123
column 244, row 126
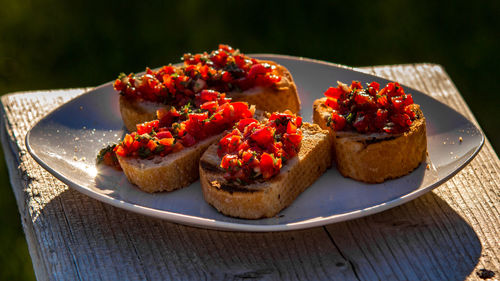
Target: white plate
column 67, row 140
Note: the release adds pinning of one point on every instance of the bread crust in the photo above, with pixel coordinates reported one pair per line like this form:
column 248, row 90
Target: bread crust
column 267, row 198
column 137, row 111
column 276, row 99
column 375, row 158
column 167, row 173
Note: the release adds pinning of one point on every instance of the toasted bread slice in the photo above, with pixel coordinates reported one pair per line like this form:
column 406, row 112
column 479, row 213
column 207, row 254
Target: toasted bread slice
column 278, row 98
column 267, row 198
column 166, row 173
column 375, row 158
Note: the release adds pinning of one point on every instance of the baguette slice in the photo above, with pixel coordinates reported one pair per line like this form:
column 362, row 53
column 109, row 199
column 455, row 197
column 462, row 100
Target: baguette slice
column 283, row 96
column 375, row 158
column 167, row 173
column 267, row 198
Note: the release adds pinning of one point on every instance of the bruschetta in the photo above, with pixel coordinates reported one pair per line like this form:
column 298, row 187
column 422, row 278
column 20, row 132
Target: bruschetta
column 265, row 84
column 377, row 134
column 163, row 154
column 259, row 168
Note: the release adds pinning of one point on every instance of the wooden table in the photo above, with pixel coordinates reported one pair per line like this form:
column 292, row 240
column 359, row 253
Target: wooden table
column 451, row 233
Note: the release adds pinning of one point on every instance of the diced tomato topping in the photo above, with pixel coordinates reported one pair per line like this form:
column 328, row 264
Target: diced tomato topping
column 119, row 150
column 208, row 95
column 298, row 121
column 188, row 140
column 382, row 101
column 263, row 136
column 408, row 99
column 210, row 106
column 226, row 77
column 198, row 117
column 128, row 140
column 256, row 70
column 245, row 122
column 241, row 109
column 332, row 102
column 356, row 85
column 291, row 128
column 167, row 141
column 266, row 165
column 164, row 135
column 338, row 121
column 381, row 118
column 152, row 145
column 333, row 92
column 374, row 87
column 223, row 69
column 260, row 148
column 147, row 127
column 194, row 124
column 370, row 110
column 362, row 99
column 361, row 123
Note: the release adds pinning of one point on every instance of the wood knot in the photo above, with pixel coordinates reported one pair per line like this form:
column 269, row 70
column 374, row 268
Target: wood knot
column 484, row 273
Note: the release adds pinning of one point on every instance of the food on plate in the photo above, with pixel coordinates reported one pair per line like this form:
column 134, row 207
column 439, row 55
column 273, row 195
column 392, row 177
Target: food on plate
column 259, row 168
column 377, row 134
column 163, row 154
column 265, row 84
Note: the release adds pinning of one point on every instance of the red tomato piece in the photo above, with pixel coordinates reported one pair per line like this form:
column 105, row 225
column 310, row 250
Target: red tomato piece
column 167, row 141
column 128, row 140
column 338, row 121
column 334, row 92
column 267, row 165
column 241, row 109
column 263, row 136
column 382, row 101
column 147, row 127
column 188, row 140
column 360, row 123
column 209, row 95
column 210, row 106
column 356, row 85
column 332, row 102
column 164, row 135
column 408, row 99
column 119, row 150
column 256, row 70
column 362, row 98
column 245, row 122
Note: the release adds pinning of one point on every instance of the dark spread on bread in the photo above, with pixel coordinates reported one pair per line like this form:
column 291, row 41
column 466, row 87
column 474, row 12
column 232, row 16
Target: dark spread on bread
column 231, row 187
column 376, row 140
column 211, row 167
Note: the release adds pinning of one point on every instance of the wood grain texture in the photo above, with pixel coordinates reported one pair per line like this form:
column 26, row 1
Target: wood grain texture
column 447, row 234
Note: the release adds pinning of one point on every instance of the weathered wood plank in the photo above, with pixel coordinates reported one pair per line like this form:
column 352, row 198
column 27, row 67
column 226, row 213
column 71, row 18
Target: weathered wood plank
column 447, row 234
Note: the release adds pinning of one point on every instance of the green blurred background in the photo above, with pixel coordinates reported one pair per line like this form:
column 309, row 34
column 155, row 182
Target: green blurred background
column 60, row 44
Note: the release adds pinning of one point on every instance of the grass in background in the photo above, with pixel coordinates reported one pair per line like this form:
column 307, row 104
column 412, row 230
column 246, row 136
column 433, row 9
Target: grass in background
column 59, row 44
